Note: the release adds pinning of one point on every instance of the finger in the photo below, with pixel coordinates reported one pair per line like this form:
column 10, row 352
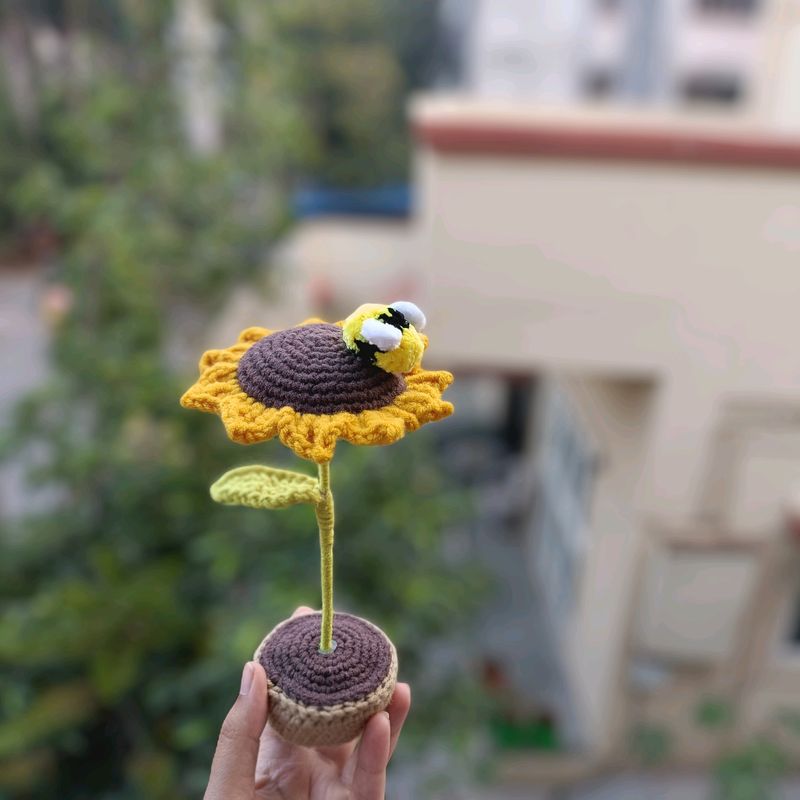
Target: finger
column 337, row 754
column 372, row 756
column 234, row 766
column 301, row 611
column 398, row 709
column 275, row 754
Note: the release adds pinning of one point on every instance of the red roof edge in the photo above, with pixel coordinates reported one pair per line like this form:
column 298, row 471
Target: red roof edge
column 598, row 143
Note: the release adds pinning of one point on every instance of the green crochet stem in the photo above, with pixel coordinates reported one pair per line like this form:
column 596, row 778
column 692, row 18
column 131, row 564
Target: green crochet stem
column 324, row 510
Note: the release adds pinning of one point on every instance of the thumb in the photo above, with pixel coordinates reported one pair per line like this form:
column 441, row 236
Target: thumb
column 234, row 766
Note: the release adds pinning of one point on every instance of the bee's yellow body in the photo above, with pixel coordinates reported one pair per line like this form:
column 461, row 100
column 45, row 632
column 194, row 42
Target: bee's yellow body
column 387, row 336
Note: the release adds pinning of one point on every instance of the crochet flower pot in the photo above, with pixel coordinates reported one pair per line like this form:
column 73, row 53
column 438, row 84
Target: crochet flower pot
column 360, row 380
column 320, row 698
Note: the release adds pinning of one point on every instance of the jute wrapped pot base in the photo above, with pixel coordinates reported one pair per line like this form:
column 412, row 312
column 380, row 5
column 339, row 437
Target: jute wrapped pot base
column 326, row 698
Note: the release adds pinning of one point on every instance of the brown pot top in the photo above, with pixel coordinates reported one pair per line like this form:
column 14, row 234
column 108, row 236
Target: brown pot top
column 359, row 664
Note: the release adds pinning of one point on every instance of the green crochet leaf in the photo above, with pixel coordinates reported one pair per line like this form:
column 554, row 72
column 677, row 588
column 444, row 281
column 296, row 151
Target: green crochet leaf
column 265, row 487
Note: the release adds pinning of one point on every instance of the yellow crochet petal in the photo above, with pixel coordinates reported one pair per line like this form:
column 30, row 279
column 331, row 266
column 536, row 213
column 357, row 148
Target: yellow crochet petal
column 252, row 335
column 229, row 355
column 247, row 421
column 424, row 403
column 199, row 401
column 292, row 431
column 379, row 426
column 408, row 418
column 214, row 382
column 432, row 412
column 223, row 372
column 326, row 432
column 307, row 435
column 439, row 378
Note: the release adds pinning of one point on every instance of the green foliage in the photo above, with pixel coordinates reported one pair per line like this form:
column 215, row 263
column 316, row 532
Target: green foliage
column 130, row 598
column 714, row 713
column 751, row 772
column 650, row 743
column 789, row 720
column 345, row 70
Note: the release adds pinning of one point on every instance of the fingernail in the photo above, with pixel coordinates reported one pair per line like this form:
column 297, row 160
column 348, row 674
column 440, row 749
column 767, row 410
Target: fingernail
column 247, row 678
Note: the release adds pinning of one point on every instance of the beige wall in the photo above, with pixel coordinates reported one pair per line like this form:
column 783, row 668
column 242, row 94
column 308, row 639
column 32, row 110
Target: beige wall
column 617, row 412
column 681, row 281
column 689, row 275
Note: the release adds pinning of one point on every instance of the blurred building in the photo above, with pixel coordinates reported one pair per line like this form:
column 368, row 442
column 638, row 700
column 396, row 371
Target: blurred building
column 739, row 56
column 629, row 285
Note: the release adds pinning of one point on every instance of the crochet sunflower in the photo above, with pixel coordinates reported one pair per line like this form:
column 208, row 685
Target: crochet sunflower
column 360, row 380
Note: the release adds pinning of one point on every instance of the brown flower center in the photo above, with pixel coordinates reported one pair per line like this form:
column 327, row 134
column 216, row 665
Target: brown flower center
column 310, row 369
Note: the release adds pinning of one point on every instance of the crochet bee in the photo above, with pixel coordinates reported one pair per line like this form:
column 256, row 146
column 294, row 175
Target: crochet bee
column 387, row 336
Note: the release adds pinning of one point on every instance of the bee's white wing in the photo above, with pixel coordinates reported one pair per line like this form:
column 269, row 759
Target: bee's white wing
column 384, row 337
column 412, row 312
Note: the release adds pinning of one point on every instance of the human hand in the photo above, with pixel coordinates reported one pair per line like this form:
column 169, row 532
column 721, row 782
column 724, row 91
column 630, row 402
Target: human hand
column 253, row 763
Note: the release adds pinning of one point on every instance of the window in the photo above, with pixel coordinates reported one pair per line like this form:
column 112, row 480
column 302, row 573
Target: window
column 599, row 83
column 722, row 88
column 518, row 411
column 743, row 7
column 564, row 476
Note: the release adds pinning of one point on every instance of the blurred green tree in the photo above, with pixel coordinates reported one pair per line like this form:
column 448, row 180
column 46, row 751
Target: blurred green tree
column 346, row 69
column 130, row 600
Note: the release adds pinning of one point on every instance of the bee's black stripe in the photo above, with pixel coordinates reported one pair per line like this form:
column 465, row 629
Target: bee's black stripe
column 366, row 351
column 393, row 317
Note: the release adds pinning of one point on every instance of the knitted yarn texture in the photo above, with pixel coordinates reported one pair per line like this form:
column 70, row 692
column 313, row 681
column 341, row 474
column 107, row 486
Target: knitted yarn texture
column 318, row 698
column 312, row 371
column 265, row 487
column 306, row 387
